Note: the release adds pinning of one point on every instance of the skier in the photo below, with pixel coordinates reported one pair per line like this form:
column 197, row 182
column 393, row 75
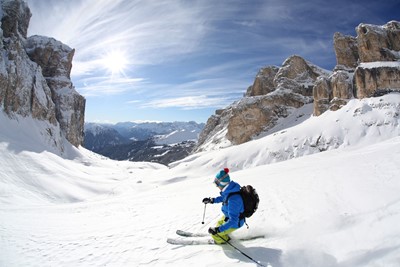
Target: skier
column 232, row 207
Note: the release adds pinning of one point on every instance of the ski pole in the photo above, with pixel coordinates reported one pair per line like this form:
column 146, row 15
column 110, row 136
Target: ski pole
column 244, row 254
column 204, row 213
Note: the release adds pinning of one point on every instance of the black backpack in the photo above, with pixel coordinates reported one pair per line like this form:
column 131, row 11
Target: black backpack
column 250, row 200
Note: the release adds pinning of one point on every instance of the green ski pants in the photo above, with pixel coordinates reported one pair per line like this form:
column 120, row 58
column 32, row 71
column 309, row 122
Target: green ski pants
column 219, row 238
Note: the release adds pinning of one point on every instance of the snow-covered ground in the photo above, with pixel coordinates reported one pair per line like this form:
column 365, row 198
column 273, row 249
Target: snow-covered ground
column 338, row 208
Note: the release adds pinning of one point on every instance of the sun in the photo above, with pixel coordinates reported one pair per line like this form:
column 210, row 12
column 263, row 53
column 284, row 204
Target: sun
column 115, row 62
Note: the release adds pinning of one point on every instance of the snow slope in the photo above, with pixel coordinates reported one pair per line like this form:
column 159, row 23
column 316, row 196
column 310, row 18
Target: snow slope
column 359, row 123
column 338, row 208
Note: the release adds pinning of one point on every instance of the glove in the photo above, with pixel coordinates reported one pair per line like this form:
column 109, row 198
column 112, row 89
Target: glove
column 208, row 200
column 213, row 230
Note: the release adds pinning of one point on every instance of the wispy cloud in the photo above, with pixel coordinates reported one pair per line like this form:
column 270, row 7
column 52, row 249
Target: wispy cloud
column 150, row 31
column 198, row 94
column 188, row 102
column 230, row 68
column 97, row 86
column 192, row 54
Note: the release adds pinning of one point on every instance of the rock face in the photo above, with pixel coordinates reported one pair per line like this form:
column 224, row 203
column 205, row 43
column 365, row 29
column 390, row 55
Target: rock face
column 346, row 51
column 366, row 65
column 249, row 117
column 35, row 75
column 16, row 17
column 274, row 94
column 264, row 82
column 55, row 59
column 23, row 89
column 378, row 43
column 332, row 92
column 370, row 79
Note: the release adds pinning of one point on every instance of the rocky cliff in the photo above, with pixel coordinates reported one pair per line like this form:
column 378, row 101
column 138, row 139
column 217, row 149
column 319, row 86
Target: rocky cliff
column 367, row 65
column 275, row 93
column 35, row 77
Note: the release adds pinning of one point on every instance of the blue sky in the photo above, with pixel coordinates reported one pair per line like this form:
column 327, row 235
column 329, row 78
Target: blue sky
column 171, row 60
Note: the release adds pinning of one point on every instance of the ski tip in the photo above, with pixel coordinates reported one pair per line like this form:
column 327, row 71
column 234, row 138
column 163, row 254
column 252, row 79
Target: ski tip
column 172, row 241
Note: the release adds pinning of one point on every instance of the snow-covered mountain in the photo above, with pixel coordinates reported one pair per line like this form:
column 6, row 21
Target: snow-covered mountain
column 163, row 132
column 359, row 123
column 331, row 201
column 367, row 65
column 98, row 136
column 162, row 142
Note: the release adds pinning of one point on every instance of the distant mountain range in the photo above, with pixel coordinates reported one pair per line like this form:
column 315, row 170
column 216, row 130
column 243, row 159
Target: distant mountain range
column 161, row 142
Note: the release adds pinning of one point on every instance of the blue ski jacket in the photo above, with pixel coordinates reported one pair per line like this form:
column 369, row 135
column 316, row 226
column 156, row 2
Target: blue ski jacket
column 231, row 208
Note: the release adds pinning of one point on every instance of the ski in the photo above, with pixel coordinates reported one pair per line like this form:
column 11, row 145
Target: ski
column 196, row 241
column 178, row 241
column 190, row 234
column 249, row 238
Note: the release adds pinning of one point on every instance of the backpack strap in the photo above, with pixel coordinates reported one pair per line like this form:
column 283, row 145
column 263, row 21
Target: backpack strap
column 241, row 216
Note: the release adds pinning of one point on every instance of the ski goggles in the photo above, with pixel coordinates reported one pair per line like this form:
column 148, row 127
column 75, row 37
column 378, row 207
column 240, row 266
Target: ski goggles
column 218, row 182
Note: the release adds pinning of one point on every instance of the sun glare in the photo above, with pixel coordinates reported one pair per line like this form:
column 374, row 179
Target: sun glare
column 115, row 62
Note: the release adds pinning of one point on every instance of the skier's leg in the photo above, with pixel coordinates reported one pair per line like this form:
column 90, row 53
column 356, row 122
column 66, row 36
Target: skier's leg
column 222, row 237
column 221, row 221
